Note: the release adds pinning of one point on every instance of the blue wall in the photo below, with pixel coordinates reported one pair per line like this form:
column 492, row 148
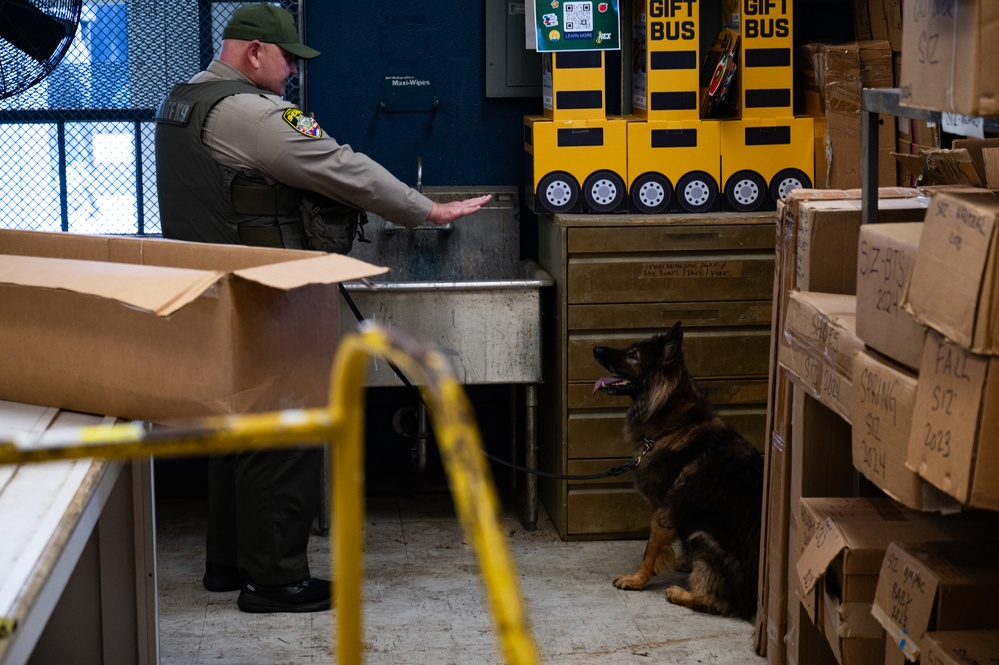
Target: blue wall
column 469, row 140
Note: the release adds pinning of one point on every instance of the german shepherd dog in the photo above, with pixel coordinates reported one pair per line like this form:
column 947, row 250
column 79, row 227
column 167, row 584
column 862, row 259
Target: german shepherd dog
column 702, row 479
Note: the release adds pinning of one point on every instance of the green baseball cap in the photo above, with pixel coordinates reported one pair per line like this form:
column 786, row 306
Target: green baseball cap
column 267, row 23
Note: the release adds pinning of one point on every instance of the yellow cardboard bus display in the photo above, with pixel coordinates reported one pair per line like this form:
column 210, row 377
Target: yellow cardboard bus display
column 761, row 156
column 673, row 163
column 574, row 85
column 664, row 157
column 765, row 47
column 769, row 151
column 575, row 163
column 673, row 157
column 666, row 60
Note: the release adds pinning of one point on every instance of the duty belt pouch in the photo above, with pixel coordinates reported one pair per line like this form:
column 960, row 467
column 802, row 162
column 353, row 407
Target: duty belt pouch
column 269, row 213
column 331, row 226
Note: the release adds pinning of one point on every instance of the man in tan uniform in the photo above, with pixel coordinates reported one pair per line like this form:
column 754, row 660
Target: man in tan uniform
column 234, row 163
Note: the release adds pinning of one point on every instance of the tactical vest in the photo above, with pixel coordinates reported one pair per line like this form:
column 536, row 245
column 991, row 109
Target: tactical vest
column 203, row 200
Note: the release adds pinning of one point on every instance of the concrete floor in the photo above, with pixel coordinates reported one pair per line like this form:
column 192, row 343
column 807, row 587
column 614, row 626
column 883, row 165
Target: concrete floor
column 424, row 600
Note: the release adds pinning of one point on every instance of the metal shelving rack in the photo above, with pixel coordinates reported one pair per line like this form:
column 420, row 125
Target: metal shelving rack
column 875, row 102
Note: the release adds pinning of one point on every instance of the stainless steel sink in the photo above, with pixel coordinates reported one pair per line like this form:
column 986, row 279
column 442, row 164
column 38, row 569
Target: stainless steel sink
column 464, row 289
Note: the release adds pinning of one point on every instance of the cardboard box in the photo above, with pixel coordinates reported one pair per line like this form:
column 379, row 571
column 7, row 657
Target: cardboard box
column 939, row 166
column 961, row 647
column 949, row 60
column 842, row 86
column 936, row 586
column 839, row 566
column 156, row 330
column 828, row 232
column 853, row 636
column 884, row 400
column 954, row 442
column 821, row 465
column 893, row 653
column 885, row 261
column 879, row 19
column 985, row 155
column 810, row 101
column 818, row 345
column 846, row 70
column 955, row 285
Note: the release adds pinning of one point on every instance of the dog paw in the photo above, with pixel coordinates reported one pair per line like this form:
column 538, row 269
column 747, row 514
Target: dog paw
column 634, row 582
column 677, row 595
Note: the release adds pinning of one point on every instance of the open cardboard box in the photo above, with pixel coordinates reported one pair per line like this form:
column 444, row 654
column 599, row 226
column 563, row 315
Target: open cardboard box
column 840, row 563
column 953, row 284
column 936, row 586
column 155, row 330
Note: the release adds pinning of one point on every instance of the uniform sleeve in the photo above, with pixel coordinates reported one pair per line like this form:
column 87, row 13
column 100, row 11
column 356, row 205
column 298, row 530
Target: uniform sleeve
column 251, row 131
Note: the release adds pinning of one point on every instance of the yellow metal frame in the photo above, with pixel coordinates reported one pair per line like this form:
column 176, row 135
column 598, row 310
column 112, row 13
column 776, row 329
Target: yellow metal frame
column 341, row 424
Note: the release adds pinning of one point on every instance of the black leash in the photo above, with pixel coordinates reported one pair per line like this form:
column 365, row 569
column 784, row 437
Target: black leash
column 616, row 471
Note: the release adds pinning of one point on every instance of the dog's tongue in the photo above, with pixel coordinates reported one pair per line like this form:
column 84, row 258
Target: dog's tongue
column 603, row 382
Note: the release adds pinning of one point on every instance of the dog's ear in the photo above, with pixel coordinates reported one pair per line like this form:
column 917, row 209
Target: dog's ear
column 673, row 343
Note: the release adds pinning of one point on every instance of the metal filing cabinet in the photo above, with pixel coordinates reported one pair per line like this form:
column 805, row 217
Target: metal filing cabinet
column 622, row 278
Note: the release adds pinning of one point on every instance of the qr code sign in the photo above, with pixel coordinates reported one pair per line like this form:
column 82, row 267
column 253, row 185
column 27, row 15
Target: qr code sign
column 578, row 16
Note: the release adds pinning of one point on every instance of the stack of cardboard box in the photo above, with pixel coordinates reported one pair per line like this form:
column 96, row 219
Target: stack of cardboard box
column 816, row 243
column 840, row 561
column 831, row 79
column 881, row 484
column 954, row 442
column 947, row 65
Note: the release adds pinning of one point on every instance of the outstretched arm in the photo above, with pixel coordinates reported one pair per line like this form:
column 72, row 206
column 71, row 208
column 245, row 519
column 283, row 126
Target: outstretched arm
column 442, row 213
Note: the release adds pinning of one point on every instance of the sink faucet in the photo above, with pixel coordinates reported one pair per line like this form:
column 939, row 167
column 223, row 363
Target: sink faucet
column 391, row 227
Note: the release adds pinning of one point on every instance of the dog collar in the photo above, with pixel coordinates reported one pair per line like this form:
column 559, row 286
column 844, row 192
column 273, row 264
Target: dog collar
column 648, row 446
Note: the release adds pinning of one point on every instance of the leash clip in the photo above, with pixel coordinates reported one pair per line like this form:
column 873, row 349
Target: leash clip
column 648, row 446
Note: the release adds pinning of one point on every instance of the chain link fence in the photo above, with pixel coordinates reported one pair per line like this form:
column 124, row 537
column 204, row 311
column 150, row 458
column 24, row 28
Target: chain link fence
column 79, row 145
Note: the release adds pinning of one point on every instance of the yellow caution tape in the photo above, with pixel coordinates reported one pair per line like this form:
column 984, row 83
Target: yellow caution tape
column 341, row 424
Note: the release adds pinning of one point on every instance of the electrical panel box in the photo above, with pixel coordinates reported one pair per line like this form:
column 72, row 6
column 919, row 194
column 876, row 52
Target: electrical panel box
column 511, row 69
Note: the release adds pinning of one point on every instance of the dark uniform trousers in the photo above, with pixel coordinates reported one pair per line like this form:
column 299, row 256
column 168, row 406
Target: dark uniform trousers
column 261, row 507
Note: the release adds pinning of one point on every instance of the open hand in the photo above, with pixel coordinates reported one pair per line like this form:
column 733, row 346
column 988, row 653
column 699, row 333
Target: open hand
column 443, row 213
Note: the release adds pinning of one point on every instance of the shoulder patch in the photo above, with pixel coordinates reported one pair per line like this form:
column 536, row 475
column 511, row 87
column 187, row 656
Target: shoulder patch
column 303, row 124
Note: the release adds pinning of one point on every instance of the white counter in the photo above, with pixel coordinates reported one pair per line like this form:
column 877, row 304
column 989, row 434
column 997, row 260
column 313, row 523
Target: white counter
column 77, row 553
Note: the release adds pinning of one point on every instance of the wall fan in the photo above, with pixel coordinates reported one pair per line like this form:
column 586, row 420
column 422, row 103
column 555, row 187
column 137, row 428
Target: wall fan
column 34, row 37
